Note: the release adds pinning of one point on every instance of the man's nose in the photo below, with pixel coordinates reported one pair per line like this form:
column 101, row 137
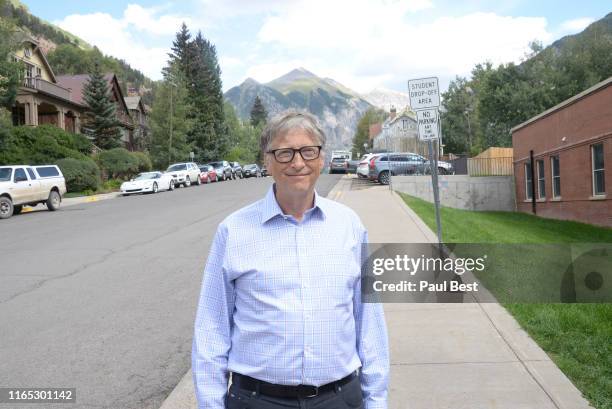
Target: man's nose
column 298, row 161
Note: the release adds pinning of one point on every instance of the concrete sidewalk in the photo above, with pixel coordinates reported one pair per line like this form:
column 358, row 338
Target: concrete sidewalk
column 444, row 356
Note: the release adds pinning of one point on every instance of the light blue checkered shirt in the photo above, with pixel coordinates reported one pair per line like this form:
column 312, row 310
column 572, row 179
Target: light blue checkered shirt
column 281, row 302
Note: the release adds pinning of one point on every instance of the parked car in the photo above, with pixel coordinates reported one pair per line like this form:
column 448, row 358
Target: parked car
column 363, row 166
column 338, row 165
column 264, row 171
column 207, row 174
column 184, row 173
column 223, row 169
column 148, row 182
column 444, row 168
column 236, row 170
column 398, row 163
column 251, row 170
column 23, row 185
column 351, row 166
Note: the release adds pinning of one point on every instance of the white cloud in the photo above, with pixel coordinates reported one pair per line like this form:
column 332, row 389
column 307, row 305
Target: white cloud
column 364, row 42
column 146, row 19
column 576, row 25
column 114, row 37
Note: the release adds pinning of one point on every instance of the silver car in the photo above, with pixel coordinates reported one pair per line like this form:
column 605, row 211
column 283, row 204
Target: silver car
column 395, row 163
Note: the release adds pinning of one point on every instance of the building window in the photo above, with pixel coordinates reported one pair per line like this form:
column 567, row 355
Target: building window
column 597, row 160
column 541, row 181
column 405, row 124
column 556, row 176
column 528, row 181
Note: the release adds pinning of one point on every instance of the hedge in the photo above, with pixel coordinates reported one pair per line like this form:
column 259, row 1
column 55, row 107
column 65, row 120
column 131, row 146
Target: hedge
column 40, row 145
column 117, row 163
column 144, row 161
column 80, row 175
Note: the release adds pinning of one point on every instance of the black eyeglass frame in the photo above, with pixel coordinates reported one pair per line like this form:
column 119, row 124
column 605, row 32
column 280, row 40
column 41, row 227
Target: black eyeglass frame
column 294, row 150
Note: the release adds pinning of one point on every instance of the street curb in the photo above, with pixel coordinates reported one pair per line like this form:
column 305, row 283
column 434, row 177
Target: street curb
column 183, row 395
column 71, row 201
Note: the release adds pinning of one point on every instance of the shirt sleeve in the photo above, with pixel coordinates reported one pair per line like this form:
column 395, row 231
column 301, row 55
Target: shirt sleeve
column 212, row 330
column 372, row 343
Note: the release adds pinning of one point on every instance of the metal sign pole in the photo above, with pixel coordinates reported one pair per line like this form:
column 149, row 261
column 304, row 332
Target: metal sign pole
column 433, row 162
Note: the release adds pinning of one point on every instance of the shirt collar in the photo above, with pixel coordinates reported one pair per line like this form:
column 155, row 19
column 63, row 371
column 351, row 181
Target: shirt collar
column 271, row 209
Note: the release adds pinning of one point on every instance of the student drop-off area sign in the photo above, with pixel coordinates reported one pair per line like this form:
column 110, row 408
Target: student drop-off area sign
column 424, row 100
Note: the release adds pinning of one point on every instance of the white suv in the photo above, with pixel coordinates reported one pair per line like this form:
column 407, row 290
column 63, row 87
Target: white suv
column 185, row 173
column 28, row 186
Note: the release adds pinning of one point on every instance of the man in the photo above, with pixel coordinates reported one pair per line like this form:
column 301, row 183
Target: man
column 280, row 307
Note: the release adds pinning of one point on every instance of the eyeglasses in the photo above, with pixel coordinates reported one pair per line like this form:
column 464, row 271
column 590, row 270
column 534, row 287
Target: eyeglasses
column 285, row 155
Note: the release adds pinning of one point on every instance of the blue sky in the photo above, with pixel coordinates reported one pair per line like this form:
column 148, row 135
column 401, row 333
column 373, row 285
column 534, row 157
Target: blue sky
column 364, row 44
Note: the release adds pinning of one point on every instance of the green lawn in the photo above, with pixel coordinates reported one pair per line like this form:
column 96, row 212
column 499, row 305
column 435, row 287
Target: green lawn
column 577, row 337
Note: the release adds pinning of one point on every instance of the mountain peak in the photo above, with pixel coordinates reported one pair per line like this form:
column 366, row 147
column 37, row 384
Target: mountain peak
column 250, row 81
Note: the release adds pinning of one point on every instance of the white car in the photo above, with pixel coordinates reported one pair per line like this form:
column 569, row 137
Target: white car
column 185, row 173
column 148, row 182
column 363, row 166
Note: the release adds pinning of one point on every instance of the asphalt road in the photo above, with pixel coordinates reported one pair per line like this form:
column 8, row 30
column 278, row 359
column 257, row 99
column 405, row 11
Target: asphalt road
column 102, row 296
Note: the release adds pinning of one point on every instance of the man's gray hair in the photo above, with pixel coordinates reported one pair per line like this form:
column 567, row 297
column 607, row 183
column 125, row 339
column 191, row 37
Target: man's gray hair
column 286, row 121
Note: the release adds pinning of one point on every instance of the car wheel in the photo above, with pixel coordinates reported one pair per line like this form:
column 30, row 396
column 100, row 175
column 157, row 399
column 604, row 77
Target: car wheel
column 6, row 207
column 187, row 182
column 171, row 186
column 383, row 177
column 155, row 187
column 198, row 181
column 53, row 202
column 442, row 171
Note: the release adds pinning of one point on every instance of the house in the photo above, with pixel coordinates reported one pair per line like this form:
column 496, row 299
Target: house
column 139, row 114
column 402, row 134
column 563, row 156
column 76, row 84
column 41, row 99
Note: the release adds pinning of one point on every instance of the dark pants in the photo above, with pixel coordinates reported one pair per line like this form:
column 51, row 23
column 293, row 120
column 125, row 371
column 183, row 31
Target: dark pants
column 348, row 396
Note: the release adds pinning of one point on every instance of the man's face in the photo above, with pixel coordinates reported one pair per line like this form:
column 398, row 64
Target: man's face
column 299, row 175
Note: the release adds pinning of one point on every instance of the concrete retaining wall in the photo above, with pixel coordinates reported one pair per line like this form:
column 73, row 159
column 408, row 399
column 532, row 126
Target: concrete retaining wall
column 462, row 191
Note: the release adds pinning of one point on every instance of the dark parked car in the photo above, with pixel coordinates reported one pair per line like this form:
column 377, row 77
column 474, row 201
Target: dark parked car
column 251, row 170
column 338, row 165
column 223, row 169
column 236, row 170
column 399, row 163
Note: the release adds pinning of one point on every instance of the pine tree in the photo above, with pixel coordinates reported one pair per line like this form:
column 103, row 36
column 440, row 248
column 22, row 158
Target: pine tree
column 181, row 54
column 259, row 115
column 101, row 119
column 209, row 134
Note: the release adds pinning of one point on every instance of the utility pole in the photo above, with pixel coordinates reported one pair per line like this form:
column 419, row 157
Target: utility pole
column 172, row 84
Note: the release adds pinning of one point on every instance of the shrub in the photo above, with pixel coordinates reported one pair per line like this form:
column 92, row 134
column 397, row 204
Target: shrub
column 144, row 161
column 80, row 175
column 117, row 163
column 38, row 146
column 112, row 184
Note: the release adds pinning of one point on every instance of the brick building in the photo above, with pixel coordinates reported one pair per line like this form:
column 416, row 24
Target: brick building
column 563, row 157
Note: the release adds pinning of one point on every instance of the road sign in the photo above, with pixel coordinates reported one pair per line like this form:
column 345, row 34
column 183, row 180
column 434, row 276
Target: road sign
column 425, row 100
column 424, row 93
column 427, row 119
